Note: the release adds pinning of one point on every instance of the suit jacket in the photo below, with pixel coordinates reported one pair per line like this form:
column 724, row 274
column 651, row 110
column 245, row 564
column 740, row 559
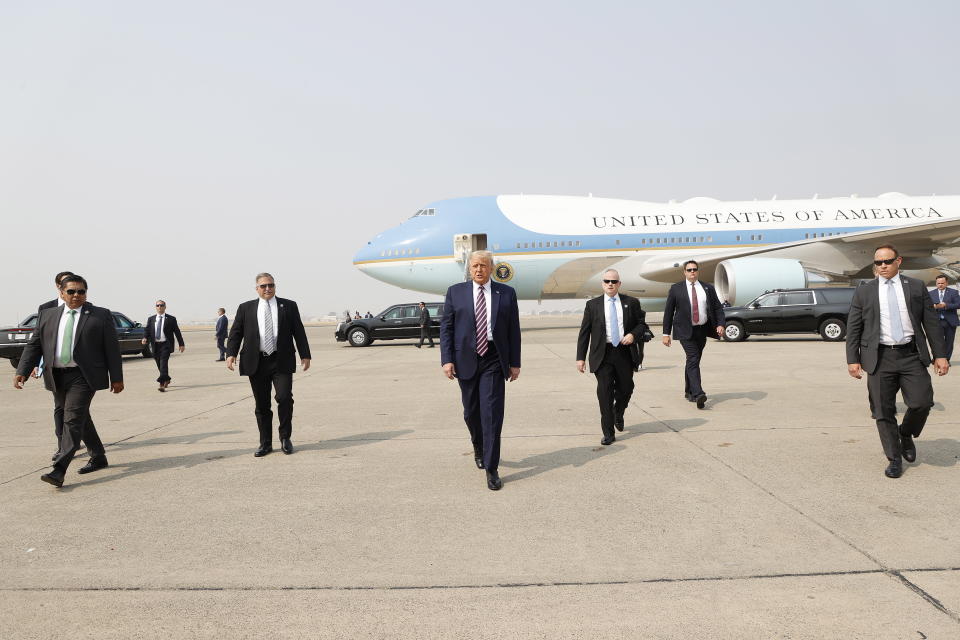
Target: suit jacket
column 48, row 305
column 593, row 329
column 952, row 299
column 863, row 323
column 222, row 326
column 458, row 329
column 246, row 332
column 170, row 330
column 96, row 349
column 676, row 313
column 424, row 317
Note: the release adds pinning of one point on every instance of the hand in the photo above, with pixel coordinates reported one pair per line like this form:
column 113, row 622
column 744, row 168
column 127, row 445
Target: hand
column 143, row 341
column 230, row 361
column 666, row 341
column 514, row 373
column 940, row 305
column 942, row 365
column 18, row 381
column 855, row 370
column 182, row 347
column 116, row 387
column 449, row 370
column 581, row 366
column 720, row 331
column 305, row 362
column 627, row 339
column 35, row 373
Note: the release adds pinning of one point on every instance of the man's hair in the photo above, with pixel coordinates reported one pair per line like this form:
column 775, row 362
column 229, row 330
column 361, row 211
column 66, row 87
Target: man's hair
column 611, row 270
column 941, row 276
column 481, row 253
column 264, row 275
column 72, row 278
column 60, row 276
column 222, row 310
column 422, row 302
column 896, row 254
column 693, row 262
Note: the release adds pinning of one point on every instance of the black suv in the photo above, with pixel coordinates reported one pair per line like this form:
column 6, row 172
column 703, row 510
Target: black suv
column 822, row 311
column 397, row 322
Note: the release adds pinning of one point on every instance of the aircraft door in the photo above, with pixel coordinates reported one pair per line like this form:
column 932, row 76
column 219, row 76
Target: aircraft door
column 463, row 245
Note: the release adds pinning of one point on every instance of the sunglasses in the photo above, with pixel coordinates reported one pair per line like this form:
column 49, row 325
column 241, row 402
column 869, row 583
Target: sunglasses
column 887, row 261
column 267, row 286
column 76, row 292
column 610, row 281
column 691, row 270
column 161, row 305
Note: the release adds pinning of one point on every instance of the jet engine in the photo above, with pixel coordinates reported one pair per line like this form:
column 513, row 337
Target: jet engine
column 740, row 280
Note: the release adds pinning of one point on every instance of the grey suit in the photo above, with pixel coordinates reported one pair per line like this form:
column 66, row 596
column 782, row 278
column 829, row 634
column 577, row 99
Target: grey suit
column 893, row 369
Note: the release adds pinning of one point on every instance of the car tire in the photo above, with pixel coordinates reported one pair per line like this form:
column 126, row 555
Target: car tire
column 833, row 330
column 733, row 332
column 359, row 338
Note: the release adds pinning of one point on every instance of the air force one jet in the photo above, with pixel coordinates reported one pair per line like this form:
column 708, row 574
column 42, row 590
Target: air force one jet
column 553, row 247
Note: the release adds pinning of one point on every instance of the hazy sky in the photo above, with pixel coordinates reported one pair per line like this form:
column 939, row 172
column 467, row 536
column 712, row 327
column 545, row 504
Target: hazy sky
column 175, row 149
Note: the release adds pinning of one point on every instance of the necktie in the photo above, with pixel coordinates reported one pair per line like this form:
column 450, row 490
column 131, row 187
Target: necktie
column 269, row 345
column 941, row 302
column 896, row 324
column 159, row 328
column 696, row 303
column 614, row 324
column 481, row 313
column 66, row 347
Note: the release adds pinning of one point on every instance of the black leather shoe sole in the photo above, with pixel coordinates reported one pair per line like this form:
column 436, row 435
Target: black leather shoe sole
column 259, row 453
column 52, row 479
column 701, row 400
column 893, row 470
column 92, row 466
column 494, row 483
column 618, row 425
column 909, row 449
column 609, row 440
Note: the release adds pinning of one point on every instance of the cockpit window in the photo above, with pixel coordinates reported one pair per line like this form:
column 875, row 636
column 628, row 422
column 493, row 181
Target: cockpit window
column 424, row 212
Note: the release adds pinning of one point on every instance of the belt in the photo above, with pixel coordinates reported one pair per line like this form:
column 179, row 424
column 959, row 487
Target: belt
column 264, row 354
column 899, row 347
column 65, row 369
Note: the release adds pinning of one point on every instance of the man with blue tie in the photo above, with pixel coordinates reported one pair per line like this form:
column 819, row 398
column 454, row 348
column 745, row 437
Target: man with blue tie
column 613, row 326
column 890, row 323
column 480, row 347
column 221, row 333
column 946, row 301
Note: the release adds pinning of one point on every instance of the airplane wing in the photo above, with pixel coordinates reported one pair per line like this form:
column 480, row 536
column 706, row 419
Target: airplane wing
column 845, row 254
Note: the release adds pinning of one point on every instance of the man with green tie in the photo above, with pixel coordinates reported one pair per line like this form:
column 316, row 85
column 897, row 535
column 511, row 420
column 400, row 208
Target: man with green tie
column 78, row 341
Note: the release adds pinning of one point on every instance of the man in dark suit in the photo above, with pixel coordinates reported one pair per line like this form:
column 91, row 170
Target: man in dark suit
column 693, row 312
column 946, row 301
column 267, row 329
column 159, row 334
column 79, row 343
column 891, row 320
column 480, row 347
column 221, row 333
column 612, row 328
column 424, row 326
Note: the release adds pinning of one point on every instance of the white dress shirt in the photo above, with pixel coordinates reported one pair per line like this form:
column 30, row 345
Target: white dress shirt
column 158, row 328
column 885, row 337
column 487, row 293
column 273, row 311
column 606, row 315
column 60, row 331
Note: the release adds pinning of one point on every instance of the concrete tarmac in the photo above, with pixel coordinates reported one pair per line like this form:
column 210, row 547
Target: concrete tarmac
column 765, row 515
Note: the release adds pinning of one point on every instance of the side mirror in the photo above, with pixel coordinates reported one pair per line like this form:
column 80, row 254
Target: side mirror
column 383, row 318
column 137, row 324
column 755, row 305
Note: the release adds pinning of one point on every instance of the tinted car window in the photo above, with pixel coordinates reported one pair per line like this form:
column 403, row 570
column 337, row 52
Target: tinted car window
column 837, row 295
column 31, row 321
column 122, row 322
column 411, row 312
column 797, row 297
column 394, row 313
column 769, row 300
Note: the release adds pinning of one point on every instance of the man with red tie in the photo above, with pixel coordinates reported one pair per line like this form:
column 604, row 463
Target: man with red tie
column 480, row 347
column 693, row 311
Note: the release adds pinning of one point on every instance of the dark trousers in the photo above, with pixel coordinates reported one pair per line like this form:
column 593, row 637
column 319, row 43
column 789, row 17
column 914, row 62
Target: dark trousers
column 949, row 332
column 899, row 370
column 75, row 395
column 266, row 377
column 221, row 340
column 693, row 347
column 161, row 354
column 483, row 401
column 614, row 385
column 425, row 335
column 94, row 448
column 640, row 343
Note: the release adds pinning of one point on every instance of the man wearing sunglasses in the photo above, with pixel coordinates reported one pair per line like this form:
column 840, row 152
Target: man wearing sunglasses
column 891, row 322
column 613, row 326
column 266, row 329
column 160, row 332
column 79, row 343
column 693, row 312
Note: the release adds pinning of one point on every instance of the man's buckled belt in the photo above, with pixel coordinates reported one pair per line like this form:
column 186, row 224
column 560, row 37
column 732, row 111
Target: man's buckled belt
column 896, row 347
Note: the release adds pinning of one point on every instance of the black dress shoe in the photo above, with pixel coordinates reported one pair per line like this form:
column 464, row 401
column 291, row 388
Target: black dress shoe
column 608, row 440
column 262, row 451
column 690, row 397
column 54, row 477
column 286, row 446
column 701, row 400
column 56, row 455
column 894, row 469
column 494, row 483
column 417, row 346
column 479, row 461
column 618, row 423
column 909, row 448
column 161, row 389
column 95, row 464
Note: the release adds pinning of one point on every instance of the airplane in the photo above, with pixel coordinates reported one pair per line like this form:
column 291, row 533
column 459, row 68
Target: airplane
column 555, row 247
